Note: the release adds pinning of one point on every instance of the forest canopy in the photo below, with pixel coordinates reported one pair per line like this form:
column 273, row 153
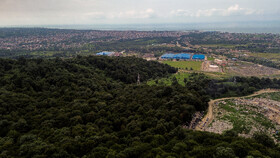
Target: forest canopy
column 92, row 107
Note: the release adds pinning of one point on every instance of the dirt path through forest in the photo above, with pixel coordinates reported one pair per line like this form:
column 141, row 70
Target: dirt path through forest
column 208, row 118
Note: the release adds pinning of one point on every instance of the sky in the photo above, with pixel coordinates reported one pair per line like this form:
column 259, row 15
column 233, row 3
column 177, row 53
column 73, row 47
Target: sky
column 69, row 12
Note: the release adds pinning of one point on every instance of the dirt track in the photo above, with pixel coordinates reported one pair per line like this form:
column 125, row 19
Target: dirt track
column 208, row 118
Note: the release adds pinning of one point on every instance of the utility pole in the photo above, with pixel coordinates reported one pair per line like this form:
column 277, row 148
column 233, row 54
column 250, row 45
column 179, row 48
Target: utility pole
column 138, row 79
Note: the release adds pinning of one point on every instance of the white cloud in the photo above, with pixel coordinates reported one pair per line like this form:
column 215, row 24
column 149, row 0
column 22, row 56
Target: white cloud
column 94, row 15
column 142, row 14
column 230, row 11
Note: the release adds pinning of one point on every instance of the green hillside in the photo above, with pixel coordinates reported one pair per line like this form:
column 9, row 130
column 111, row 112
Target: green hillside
column 91, row 107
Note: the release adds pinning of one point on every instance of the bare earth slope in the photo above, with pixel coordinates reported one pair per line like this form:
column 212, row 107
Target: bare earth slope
column 208, row 118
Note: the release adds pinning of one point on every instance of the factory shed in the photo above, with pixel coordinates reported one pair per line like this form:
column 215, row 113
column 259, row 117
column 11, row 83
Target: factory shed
column 182, row 56
column 105, row 53
column 167, row 56
column 198, row 57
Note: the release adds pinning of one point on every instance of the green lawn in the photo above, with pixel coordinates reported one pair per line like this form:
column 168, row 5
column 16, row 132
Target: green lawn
column 195, row 65
column 210, row 58
column 221, row 45
column 272, row 56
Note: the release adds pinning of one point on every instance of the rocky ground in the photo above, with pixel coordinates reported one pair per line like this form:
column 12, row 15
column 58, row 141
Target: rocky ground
column 246, row 116
column 252, row 70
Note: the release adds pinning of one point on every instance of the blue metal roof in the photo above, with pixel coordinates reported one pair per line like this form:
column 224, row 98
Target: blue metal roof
column 182, row 56
column 198, row 56
column 167, row 56
column 104, row 53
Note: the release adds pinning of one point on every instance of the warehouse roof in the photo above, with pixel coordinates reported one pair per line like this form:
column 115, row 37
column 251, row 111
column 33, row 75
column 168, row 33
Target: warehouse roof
column 167, row 56
column 104, row 53
column 198, row 56
column 182, row 56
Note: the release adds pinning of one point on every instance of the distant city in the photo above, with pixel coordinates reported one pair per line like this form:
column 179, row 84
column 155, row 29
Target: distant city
column 232, row 27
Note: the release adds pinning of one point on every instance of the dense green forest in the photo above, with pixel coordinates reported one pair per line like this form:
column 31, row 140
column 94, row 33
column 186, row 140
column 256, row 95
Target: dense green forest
column 92, row 107
column 228, row 87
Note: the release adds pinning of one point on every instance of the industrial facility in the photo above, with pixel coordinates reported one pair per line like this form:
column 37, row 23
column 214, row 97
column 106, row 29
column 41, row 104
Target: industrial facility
column 183, row 56
column 198, row 57
column 105, row 53
column 167, row 56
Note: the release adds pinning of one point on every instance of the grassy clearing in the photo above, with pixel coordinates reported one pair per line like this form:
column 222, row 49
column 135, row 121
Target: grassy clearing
column 168, row 81
column 195, row 65
column 220, row 45
column 182, row 75
column 218, row 75
column 273, row 56
column 210, row 58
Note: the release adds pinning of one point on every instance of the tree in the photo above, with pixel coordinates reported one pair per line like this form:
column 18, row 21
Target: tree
column 264, row 139
column 174, row 81
column 185, row 81
column 224, row 152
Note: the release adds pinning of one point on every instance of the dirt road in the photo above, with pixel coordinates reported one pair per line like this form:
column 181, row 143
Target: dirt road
column 208, row 118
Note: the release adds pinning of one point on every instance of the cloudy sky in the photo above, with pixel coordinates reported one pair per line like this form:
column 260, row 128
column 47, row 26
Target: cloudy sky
column 56, row 12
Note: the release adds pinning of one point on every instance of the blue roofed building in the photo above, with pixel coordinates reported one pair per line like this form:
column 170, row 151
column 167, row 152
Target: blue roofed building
column 182, row 56
column 105, row 53
column 198, row 57
column 167, row 56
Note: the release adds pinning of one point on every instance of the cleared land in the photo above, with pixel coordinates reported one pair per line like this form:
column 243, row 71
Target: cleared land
column 244, row 115
column 249, row 69
column 195, row 65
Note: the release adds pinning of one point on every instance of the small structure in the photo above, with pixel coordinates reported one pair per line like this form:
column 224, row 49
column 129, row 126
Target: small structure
column 213, row 68
column 220, row 62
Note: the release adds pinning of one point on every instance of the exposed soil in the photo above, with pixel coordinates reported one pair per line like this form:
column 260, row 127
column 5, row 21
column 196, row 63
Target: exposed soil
column 252, row 70
column 208, row 118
